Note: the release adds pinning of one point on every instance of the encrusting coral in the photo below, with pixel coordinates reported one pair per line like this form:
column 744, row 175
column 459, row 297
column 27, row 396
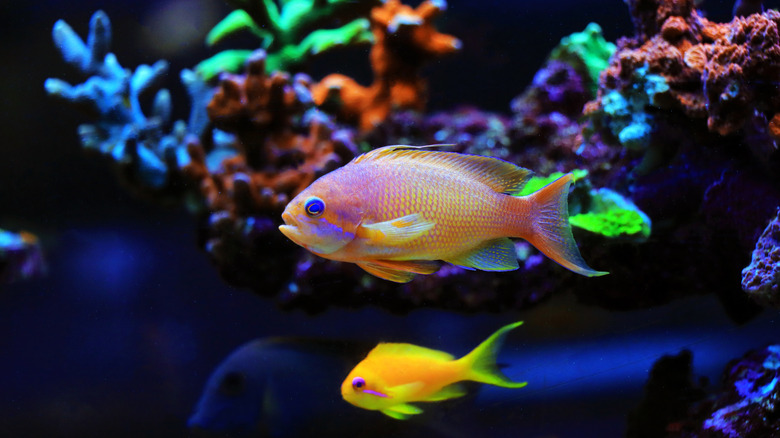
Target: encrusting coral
column 721, row 74
column 404, row 38
column 761, row 279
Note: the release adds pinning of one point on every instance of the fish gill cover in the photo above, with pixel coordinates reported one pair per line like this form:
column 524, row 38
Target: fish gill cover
column 679, row 130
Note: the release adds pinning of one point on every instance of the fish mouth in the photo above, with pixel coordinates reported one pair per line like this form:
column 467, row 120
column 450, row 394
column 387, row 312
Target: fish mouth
column 290, row 228
column 289, row 220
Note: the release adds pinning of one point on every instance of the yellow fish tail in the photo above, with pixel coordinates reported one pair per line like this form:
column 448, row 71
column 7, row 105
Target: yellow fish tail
column 551, row 232
column 480, row 364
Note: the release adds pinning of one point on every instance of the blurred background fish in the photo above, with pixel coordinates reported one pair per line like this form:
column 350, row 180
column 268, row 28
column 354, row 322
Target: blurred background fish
column 289, row 387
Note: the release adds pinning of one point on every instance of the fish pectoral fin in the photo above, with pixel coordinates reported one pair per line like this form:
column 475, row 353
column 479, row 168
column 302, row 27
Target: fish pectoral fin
column 493, row 255
column 405, row 391
column 396, row 231
column 386, row 273
column 450, row 391
column 401, row 411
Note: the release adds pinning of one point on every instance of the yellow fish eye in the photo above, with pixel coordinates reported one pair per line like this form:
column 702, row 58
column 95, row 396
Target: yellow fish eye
column 314, row 207
column 358, row 383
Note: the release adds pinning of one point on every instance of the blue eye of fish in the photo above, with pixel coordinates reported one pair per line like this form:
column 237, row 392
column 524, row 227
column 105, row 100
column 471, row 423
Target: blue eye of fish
column 314, row 206
column 358, row 382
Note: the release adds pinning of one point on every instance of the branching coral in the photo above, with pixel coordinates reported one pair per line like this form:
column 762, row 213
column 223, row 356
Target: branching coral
column 761, row 279
column 404, row 38
column 147, row 157
column 290, row 32
column 282, row 142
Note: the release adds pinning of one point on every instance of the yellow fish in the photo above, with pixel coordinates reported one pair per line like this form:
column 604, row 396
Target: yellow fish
column 396, row 210
column 393, row 375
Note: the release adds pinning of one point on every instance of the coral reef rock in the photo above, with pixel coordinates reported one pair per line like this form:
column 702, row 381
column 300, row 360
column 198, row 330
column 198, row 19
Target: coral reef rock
column 761, row 279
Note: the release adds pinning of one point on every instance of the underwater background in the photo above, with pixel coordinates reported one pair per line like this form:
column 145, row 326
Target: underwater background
column 129, row 294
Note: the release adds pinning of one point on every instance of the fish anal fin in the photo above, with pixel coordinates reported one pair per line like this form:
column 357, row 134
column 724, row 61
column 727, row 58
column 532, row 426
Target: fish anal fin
column 401, row 411
column 493, row 255
column 499, row 175
column 450, row 391
column 415, row 266
column 386, row 273
column 395, row 231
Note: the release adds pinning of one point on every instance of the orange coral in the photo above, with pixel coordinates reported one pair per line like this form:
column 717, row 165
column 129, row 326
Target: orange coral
column 774, row 127
column 276, row 161
column 403, row 39
column 718, row 72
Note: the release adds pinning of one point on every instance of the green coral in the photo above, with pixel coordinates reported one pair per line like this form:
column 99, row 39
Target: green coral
column 537, row 182
column 586, row 51
column 290, row 32
column 612, row 215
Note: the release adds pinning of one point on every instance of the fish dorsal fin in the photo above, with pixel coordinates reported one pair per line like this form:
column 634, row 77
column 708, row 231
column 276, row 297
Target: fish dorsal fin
column 499, row 175
column 409, row 350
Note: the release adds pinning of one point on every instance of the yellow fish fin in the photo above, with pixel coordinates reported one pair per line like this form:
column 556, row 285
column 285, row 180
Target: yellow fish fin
column 450, row 391
column 409, row 350
column 402, row 411
column 499, row 175
column 480, row 364
column 493, row 255
column 396, row 231
column 385, row 273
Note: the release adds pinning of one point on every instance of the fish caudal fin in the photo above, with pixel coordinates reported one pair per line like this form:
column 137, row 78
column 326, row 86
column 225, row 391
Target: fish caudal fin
column 481, row 362
column 551, row 230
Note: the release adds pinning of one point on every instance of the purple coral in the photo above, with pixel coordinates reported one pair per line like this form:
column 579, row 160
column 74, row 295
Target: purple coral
column 760, row 279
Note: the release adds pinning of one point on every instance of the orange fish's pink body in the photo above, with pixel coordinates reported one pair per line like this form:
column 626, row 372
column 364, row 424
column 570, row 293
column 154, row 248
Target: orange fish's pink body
column 397, row 210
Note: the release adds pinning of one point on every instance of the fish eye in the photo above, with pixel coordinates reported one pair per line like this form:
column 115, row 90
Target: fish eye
column 358, row 383
column 232, row 383
column 314, row 207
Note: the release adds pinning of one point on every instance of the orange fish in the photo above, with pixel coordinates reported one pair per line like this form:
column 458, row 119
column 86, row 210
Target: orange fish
column 393, row 375
column 396, row 210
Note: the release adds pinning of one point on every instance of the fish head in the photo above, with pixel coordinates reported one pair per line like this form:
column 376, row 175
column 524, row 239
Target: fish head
column 323, row 218
column 366, row 390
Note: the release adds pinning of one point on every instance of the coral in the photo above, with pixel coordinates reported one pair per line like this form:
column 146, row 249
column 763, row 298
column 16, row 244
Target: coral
column 761, row 279
column 290, row 33
column 586, row 51
column 147, row 157
column 741, row 72
column 612, row 215
column 404, row 38
column 718, row 77
column 21, row 256
column 746, row 408
column 281, row 144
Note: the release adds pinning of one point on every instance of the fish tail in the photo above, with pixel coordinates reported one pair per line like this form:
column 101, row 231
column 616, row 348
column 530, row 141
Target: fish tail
column 550, row 230
column 480, row 364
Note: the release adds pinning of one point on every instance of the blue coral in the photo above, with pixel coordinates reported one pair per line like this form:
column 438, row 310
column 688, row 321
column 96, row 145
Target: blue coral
column 626, row 111
column 132, row 138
